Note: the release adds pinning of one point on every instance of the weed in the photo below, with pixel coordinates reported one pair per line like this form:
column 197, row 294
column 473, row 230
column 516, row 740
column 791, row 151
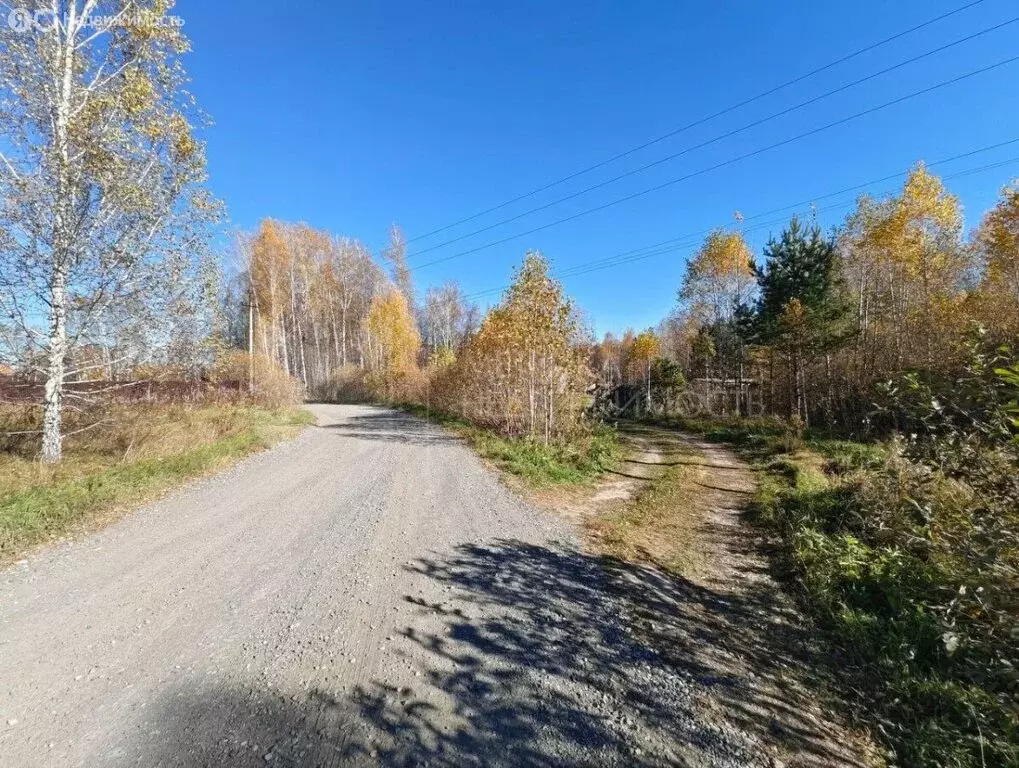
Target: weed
column 579, row 460
column 891, row 558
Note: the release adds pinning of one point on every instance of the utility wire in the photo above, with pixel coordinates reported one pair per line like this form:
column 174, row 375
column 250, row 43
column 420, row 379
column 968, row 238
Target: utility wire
column 684, row 241
column 782, row 220
column 701, row 121
column 716, row 139
column 725, row 163
column 829, row 195
column 583, row 269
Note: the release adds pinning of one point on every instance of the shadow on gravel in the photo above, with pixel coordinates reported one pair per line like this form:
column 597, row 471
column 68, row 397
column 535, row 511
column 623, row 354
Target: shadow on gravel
column 535, row 665
column 391, row 427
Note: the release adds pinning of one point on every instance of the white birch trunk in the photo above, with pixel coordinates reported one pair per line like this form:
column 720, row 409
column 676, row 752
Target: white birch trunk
column 52, row 443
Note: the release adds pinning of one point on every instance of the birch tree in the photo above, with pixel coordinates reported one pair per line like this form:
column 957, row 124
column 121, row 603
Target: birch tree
column 525, row 371
column 395, row 255
column 997, row 241
column 448, row 318
column 101, row 204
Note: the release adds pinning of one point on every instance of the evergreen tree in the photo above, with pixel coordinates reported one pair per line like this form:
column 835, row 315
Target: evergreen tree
column 802, row 308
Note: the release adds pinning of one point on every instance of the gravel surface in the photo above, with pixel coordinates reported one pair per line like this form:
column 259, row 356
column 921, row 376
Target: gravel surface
column 366, row 593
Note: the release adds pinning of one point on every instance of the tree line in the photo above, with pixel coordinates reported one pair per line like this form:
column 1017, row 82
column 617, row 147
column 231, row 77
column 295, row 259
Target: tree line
column 331, row 315
column 813, row 328
column 106, row 269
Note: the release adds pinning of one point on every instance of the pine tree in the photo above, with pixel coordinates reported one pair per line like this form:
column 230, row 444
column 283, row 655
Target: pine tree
column 802, row 308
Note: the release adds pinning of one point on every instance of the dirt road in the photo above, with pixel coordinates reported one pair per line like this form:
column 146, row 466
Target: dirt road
column 367, row 593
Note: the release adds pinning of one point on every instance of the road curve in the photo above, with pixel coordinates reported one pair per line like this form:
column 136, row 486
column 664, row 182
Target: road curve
column 367, row 593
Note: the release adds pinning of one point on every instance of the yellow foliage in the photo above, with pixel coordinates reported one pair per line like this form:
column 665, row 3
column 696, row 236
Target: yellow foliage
column 997, row 241
column 395, row 335
column 523, row 372
column 921, row 234
column 999, row 238
column 719, row 276
column 137, row 93
column 645, row 348
column 441, row 358
column 906, row 259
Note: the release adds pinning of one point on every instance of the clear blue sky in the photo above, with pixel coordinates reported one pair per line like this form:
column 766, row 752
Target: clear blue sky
column 352, row 116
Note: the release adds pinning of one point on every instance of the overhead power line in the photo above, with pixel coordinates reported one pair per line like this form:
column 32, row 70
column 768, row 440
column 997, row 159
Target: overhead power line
column 827, row 196
column 701, row 121
column 764, row 225
column 693, row 238
column 716, row 139
column 725, row 163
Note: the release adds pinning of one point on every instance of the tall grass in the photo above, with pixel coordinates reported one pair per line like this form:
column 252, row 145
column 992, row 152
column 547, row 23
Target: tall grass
column 585, row 456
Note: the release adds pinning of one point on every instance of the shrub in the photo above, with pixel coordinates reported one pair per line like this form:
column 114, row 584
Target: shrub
column 270, row 386
column 348, row 384
column 913, row 574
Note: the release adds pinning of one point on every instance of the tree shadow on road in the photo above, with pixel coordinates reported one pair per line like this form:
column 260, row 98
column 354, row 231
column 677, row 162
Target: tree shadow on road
column 391, row 426
column 541, row 656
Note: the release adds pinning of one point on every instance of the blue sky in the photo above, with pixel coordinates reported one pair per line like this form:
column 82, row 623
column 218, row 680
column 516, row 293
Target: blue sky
column 353, row 116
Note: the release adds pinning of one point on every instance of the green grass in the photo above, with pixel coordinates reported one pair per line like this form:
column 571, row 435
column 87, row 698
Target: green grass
column 661, row 525
column 578, row 461
column 98, row 477
column 859, row 544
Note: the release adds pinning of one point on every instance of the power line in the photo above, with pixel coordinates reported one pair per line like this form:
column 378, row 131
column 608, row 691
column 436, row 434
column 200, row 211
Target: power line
column 764, row 225
column 829, row 195
column 714, row 140
column 583, row 269
column 692, row 239
column 702, row 120
column 725, row 163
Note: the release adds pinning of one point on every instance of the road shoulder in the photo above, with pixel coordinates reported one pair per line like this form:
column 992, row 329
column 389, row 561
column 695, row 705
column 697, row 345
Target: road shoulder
column 676, row 507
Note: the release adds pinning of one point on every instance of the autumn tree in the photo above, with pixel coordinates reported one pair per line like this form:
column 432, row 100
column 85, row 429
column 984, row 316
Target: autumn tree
column 677, row 331
column 395, row 255
column 448, row 318
column 310, row 294
column 354, row 280
column 524, row 372
column 719, row 278
column 606, row 361
column 396, row 340
column 906, row 263
column 100, row 196
column 646, row 347
column 997, row 243
column 717, row 287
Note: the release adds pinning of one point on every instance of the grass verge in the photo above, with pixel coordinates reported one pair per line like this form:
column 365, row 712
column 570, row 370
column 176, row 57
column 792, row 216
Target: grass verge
column 142, row 452
column 659, row 525
column 579, row 461
column 869, row 542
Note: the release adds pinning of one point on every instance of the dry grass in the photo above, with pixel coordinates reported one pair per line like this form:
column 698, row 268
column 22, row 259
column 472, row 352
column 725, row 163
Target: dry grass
column 125, row 455
column 661, row 524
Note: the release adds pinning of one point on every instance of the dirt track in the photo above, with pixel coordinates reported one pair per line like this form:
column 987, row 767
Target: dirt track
column 367, row 593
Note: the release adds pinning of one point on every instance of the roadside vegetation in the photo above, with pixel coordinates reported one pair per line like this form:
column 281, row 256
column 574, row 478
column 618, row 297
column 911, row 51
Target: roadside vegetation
column 906, row 553
column 582, row 459
column 515, row 389
column 831, row 362
column 132, row 454
column 661, row 525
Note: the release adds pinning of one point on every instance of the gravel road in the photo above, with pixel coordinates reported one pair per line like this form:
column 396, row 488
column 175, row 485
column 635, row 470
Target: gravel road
column 367, row 593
